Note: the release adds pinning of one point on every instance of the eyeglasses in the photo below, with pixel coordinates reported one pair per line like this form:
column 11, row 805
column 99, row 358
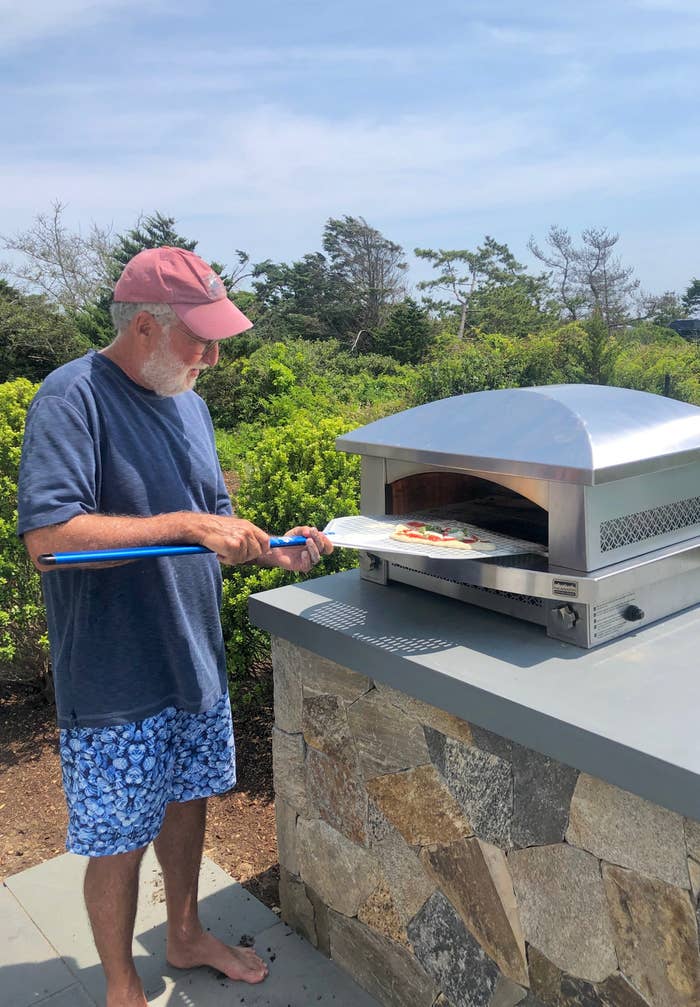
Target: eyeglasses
column 206, row 345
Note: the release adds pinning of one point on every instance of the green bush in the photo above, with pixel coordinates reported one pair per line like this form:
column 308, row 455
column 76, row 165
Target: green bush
column 247, row 647
column 294, row 476
column 275, row 382
column 671, row 366
column 23, row 635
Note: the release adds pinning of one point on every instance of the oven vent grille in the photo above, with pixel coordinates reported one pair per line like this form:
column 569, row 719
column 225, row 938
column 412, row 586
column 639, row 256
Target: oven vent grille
column 645, row 524
column 525, row 599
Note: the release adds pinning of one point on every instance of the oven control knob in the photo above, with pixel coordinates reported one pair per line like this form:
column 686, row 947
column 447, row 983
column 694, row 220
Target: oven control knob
column 633, row 613
column 568, row 616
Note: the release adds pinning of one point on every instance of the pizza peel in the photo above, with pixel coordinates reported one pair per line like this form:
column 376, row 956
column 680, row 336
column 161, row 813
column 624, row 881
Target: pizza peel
column 373, row 534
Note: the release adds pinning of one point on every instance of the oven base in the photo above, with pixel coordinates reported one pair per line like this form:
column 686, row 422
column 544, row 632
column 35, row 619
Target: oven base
column 585, row 625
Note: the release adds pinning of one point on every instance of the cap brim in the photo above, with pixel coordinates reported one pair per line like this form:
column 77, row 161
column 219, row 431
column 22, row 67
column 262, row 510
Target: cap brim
column 217, row 320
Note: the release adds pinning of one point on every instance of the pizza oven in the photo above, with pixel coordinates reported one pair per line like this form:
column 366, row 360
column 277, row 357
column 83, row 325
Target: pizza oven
column 606, row 479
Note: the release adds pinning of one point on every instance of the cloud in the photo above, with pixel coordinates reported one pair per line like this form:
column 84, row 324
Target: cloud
column 24, row 24
column 270, row 162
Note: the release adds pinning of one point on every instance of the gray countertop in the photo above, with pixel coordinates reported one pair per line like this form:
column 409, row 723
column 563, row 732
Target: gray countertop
column 626, row 712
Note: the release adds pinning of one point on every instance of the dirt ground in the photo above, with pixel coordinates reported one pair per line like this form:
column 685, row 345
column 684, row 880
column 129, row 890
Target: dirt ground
column 241, row 826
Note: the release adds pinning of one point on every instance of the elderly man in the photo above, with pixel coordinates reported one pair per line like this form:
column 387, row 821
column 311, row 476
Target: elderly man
column 119, row 451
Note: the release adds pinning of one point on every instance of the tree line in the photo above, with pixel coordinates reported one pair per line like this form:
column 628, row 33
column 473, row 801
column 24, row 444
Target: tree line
column 56, row 289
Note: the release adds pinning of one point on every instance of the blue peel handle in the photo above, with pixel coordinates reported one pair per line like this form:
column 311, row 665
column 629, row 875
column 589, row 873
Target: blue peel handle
column 144, row 552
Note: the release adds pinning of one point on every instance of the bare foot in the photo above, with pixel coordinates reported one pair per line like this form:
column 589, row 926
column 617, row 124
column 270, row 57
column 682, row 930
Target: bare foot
column 237, row 963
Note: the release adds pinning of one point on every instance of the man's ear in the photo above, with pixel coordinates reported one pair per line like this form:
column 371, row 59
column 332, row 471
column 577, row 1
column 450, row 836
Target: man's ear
column 145, row 326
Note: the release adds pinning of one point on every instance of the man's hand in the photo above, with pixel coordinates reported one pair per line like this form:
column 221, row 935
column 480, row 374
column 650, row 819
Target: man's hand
column 296, row 557
column 233, row 540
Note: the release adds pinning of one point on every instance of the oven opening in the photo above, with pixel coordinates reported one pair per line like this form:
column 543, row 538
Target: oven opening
column 472, row 499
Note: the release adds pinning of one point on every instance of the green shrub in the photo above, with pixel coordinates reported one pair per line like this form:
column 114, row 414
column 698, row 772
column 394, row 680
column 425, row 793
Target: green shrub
column 23, row 635
column 247, row 647
column 294, row 476
column 228, row 449
column 671, row 366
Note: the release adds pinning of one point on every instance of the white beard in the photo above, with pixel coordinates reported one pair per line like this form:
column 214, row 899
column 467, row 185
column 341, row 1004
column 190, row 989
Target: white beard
column 165, row 374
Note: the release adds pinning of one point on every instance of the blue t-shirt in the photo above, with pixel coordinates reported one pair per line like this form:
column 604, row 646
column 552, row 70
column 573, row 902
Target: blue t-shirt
column 126, row 641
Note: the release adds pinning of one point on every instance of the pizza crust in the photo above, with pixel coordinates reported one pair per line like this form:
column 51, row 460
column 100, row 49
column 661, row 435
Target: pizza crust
column 407, row 533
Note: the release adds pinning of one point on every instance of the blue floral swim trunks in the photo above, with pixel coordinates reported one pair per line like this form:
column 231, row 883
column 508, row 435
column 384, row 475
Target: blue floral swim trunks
column 119, row 779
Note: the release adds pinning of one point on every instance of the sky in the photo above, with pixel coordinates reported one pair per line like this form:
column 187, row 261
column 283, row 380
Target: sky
column 438, row 121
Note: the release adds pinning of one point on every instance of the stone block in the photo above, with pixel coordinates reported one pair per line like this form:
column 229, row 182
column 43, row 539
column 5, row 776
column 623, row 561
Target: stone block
column 342, row 874
column 494, row 744
column 320, row 922
column 286, row 820
column 386, row 970
column 448, row 952
column 616, row 991
column 424, row 713
column 561, row 897
column 656, row 937
column 481, row 783
column 287, row 685
column 694, row 874
column 692, row 838
column 419, row 806
column 542, row 790
column 378, row 827
column 387, row 739
column 379, row 913
column 624, row 829
column 289, row 769
column 321, row 675
column 336, row 795
column 325, row 726
column 409, row 885
column 507, row 993
column 297, row 909
column 555, row 988
column 476, row 880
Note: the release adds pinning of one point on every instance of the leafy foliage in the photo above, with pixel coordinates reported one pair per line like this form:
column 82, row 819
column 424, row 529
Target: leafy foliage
column 294, row 476
column 35, row 338
column 468, row 277
column 370, row 266
column 405, row 335
column 320, row 378
column 23, row 641
column 691, row 298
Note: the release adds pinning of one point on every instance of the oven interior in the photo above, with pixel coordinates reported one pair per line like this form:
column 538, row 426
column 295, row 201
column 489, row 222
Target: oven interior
column 472, row 499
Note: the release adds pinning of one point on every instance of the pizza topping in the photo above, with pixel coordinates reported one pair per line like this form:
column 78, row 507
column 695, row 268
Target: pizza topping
column 448, row 536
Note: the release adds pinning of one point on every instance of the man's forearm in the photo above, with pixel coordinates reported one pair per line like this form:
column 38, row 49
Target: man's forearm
column 102, row 531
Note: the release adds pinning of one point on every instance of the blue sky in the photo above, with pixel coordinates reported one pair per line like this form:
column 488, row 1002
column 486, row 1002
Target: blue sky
column 438, row 121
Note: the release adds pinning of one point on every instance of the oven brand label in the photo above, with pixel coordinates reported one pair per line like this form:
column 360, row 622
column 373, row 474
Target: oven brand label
column 565, row 588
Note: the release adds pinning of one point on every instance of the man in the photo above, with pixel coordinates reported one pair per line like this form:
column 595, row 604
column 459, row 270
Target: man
column 119, row 451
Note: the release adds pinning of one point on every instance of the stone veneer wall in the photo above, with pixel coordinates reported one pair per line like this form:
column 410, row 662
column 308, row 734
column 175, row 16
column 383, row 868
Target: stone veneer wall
column 441, row 864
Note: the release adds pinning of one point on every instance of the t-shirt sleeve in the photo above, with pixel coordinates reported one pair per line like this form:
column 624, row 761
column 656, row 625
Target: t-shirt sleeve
column 57, row 473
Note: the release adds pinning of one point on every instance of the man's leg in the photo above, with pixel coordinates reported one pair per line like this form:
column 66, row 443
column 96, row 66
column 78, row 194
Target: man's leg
column 179, row 850
column 111, row 892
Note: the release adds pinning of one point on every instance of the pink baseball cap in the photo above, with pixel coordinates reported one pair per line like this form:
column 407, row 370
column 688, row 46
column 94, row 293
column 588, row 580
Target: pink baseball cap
column 188, row 284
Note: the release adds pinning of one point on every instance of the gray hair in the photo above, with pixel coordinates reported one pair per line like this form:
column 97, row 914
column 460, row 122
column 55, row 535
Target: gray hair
column 123, row 311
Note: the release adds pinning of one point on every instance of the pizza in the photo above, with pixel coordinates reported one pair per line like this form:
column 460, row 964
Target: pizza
column 444, row 535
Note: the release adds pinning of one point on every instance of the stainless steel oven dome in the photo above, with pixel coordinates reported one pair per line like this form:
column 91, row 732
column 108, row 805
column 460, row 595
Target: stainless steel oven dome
column 587, row 434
